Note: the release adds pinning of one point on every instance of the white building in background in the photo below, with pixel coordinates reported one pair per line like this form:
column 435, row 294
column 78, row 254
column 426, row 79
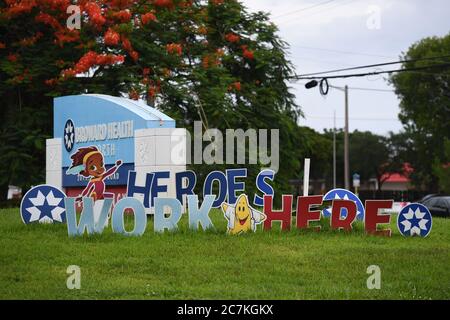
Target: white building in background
column 14, row 192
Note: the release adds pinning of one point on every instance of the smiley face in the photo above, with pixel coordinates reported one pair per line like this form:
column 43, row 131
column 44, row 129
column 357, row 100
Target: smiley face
column 95, row 166
column 242, row 211
column 241, row 217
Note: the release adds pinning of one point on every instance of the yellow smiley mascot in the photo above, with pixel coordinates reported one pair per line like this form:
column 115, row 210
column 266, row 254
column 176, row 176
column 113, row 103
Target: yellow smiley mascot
column 242, row 217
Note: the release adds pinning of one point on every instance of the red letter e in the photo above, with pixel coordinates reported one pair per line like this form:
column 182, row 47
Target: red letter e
column 304, row 212
column 372, row 218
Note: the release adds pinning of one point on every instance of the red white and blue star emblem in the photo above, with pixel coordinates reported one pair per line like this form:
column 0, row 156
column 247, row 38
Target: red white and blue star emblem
column 69, row 135
column 43, row 204
column 414, row 220
column 342, row 194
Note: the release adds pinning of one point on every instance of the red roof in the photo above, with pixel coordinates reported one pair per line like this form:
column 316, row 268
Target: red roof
column 395, row 177
column 398, row 177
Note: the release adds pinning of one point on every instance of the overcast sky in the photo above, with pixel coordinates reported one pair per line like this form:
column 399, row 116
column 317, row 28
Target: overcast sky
column 326, row 35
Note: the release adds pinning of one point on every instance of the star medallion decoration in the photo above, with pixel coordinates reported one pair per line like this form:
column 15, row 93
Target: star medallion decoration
column 414, row 220
column 241, row 216
column 342, row 194
column 69, row 135
column 43, row 204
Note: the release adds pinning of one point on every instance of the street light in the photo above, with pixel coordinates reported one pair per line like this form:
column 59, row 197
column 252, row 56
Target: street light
column 323, row 82
column 311, row 84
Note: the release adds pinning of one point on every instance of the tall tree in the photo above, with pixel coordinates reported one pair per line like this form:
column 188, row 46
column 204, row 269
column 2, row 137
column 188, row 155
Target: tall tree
column 425, row 109
column 371, row 156
column 442, row 170
column 211, row 61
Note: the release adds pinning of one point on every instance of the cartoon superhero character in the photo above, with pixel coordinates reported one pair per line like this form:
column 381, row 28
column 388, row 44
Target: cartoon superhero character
column 241, row 217
column 89, row 162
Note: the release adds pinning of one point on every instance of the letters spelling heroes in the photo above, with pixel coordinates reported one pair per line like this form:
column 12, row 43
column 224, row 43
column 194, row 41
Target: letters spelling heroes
column 237, row 209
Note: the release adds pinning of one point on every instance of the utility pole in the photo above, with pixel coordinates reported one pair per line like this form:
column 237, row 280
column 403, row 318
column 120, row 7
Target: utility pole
column 315, row 83
column 334, row 150
column 346, row 155
column 346, row 143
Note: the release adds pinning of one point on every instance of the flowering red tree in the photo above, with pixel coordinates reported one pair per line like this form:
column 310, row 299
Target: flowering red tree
column 196, row 60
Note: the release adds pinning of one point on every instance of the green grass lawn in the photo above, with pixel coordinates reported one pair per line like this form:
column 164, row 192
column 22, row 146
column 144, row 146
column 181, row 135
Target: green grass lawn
column 213, row 265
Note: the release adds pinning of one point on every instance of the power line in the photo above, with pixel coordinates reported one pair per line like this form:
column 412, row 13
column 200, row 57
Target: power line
column 344, row 76
column 365, row 89
column 360, row 88
column 303, row 9
column 327, row 9
column 344, row 52
column 371, row 89
column 329, row 62
column 375, row 65
column 353, row 119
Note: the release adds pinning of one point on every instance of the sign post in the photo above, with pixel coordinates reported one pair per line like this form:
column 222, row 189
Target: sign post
column 356, row 182
column 306, row 177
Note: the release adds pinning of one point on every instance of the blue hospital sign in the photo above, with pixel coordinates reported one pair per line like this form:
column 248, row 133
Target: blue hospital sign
column 105, row 124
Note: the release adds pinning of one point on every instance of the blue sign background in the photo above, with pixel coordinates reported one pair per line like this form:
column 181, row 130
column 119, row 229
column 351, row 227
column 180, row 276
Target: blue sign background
column 120, row 178
column 343, row 194
column 89, row 110
column 43, row 202
column 415, row 219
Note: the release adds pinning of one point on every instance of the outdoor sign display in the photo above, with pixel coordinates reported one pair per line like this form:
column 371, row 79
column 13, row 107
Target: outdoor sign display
column 47, row 204
column 107, row 123
column 99, row 152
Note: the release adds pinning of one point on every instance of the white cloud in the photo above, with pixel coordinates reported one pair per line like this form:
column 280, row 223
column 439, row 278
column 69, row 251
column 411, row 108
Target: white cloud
column 340, row 27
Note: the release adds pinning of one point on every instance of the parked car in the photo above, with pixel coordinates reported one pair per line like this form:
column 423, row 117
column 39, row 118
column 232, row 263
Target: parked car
column 439, row 206
column 427, row 197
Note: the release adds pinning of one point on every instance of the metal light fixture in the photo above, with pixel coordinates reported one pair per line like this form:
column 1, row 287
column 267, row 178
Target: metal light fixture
column 311, row 84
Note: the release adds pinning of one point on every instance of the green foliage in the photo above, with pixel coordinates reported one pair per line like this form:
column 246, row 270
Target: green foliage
column 213, row 265
column 371, row 156
column 211, row 79
column 22, row 148
column 425, row 109
column 369, row 153
column 319, row 148
column 442, row 170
